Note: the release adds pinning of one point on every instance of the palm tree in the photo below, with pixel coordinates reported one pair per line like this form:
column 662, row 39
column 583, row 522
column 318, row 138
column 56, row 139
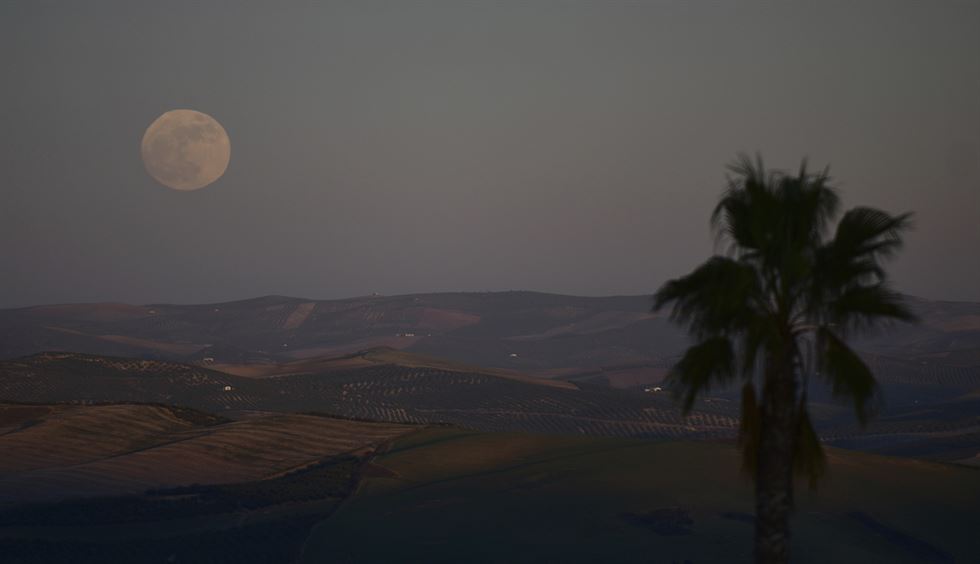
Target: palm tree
column 777, row 308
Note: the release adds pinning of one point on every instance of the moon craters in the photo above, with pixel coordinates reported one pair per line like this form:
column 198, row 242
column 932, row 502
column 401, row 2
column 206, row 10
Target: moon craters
column 185, row 150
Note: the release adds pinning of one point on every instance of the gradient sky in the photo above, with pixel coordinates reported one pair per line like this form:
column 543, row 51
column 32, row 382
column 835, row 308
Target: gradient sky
column 402, row 147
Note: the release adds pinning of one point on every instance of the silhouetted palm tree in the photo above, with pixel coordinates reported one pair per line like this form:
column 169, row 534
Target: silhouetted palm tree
column 778, row 308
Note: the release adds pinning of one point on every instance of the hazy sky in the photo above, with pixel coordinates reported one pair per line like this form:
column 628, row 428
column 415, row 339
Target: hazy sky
column 407, row 147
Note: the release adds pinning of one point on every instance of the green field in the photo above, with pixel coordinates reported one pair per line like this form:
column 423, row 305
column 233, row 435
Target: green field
column 444, row 495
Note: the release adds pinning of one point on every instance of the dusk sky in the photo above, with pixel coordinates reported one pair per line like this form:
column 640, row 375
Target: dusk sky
column 401, row 147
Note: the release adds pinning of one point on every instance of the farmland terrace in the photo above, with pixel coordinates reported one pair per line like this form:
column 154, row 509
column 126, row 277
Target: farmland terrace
column 376, row 392
column 929, row 415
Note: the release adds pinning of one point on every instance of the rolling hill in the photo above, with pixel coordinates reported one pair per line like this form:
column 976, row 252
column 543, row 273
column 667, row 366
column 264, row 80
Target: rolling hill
column 615, row 341
column 362, row 387
column 502, row 362
column 530, row 332
column 937, row 418
column 55, row 452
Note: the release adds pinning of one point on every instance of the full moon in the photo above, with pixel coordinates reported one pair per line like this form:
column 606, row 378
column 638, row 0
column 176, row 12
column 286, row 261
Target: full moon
column 185, row 150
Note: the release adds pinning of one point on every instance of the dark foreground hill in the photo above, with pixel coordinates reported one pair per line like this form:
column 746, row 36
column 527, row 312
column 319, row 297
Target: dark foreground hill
column 448, row 496
column 314, row 489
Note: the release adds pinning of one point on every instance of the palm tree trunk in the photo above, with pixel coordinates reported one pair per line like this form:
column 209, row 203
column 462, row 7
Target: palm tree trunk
column 774, row 470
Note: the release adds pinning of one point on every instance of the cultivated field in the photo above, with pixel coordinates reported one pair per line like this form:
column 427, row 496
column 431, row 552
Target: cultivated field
column 376, row 392
column 934, row 417
column 59, row 451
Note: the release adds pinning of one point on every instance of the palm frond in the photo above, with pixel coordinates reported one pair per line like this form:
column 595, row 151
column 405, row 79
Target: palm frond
column 847, row 374
column 809, row 203
column 809, row 458
column 748, row 207
column 870, row 233
column 755, row 339
column 849, row 284
column 859, row 308
column 722, row 295
column 706, row 364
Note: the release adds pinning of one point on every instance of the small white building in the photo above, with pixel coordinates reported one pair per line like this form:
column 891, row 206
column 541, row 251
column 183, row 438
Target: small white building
column 228, row 388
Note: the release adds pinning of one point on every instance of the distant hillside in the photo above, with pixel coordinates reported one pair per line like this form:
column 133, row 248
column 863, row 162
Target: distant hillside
column 539, row 334
column 374, row 357
column 612, row 340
